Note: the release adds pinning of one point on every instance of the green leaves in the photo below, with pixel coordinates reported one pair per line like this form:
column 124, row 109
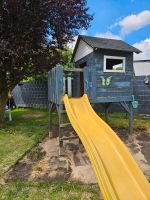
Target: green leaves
column 32, row 33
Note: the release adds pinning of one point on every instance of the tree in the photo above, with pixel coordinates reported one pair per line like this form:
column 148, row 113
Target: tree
column 32, row 32
column 66, row 58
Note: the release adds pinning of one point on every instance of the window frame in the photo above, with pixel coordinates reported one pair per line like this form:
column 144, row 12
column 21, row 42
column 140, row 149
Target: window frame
column 114, row 57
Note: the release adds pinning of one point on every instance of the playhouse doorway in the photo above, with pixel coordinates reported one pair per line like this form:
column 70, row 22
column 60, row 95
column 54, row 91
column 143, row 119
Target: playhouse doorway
column 82, row 65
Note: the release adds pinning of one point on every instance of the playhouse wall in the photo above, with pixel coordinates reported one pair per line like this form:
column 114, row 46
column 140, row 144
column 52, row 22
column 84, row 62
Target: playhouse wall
column 142, row 94
column 121, row 88
column 34, row 94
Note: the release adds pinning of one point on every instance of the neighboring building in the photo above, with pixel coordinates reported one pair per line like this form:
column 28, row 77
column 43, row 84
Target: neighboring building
column 141, row 85
column 142, row 67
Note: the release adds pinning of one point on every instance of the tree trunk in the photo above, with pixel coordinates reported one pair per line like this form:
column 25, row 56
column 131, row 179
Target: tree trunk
column 3, row 97
column 3, row 101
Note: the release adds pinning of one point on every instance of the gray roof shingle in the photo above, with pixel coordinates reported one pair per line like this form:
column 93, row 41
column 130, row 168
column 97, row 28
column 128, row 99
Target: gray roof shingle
column 104, row 43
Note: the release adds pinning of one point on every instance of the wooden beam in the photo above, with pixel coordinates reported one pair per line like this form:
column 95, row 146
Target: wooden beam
column 73, row 70
column 69, row 138
column 131, row 119
column 125, row 106
column 129, row 110
column 50, row 120
column 61, row 118
column 106, row 107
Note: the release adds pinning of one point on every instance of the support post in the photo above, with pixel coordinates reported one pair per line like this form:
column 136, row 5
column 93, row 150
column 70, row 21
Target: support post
column 129, row 109
column 106, row 106
column 60, row 109
column 50, row 120
column 106, row 114
column 131, row 119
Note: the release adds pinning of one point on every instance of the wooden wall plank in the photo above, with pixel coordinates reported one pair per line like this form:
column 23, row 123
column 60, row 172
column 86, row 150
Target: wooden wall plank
column 111, row 99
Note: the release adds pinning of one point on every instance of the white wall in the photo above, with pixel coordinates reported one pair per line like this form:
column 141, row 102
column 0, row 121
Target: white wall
column 142, row 68
column 83, row 50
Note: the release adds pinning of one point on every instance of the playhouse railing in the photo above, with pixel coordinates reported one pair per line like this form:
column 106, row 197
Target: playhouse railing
column 61, row 81
column 55, row 85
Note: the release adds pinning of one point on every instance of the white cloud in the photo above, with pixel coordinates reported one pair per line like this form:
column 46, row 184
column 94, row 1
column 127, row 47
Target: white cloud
column 133, row 22
column 109, row 35
column 144, row 46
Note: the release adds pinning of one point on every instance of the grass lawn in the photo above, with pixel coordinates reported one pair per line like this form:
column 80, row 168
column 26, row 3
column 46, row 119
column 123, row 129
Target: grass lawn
column 21, row 190
column 31, row 125
column 120, row 121
column 27, row 128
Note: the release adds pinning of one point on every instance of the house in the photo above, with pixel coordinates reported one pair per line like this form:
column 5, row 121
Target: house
column 141, row 85
column 142, row 67
column 108, row 69
column 103, row 70
column 107, row 72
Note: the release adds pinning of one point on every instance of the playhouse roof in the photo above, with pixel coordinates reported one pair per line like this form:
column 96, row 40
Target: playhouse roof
column 105, row 43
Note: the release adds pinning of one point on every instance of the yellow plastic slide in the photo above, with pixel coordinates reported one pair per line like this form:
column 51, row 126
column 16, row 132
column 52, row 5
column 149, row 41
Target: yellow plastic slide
column 117, row 173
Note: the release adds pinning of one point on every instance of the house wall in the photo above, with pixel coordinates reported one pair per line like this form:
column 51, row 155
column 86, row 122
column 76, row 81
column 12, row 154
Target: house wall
column 142, row 94
column 142, row 68
column 121, row 87
column 83, row 50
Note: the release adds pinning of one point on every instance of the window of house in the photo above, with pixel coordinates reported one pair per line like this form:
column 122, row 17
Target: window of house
column 114, row 64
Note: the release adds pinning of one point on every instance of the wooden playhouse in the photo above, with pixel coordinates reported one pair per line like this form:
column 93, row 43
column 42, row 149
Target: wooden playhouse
column 103, row 70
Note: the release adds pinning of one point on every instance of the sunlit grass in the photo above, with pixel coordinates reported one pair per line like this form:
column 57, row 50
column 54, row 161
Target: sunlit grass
column 21, row 134
column 20, row 190
column 31, row 125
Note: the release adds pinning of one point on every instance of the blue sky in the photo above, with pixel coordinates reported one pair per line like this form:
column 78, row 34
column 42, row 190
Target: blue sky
column 128, row 20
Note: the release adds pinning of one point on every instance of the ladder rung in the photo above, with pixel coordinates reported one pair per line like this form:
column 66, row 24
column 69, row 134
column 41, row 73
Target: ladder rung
column 72, row 132
column 64, row 125
column 69, row 138
column 63, row 111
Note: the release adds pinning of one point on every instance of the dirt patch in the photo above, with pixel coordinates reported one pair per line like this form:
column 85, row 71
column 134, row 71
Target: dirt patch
column 47, row 162
column 122, row 134
column 32, row 115
column 145, row 149
column 36, row 154
column 69, row 164
column 21, row 170
column 144, row 137
column 140, row 148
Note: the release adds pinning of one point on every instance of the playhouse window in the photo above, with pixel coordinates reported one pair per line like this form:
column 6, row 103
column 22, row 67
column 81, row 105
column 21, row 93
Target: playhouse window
column 114, row 64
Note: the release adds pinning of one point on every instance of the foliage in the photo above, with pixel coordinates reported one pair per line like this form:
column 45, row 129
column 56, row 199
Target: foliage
column 31, row 36
column 32, row 33
column 66, row 58
column 43, row 77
